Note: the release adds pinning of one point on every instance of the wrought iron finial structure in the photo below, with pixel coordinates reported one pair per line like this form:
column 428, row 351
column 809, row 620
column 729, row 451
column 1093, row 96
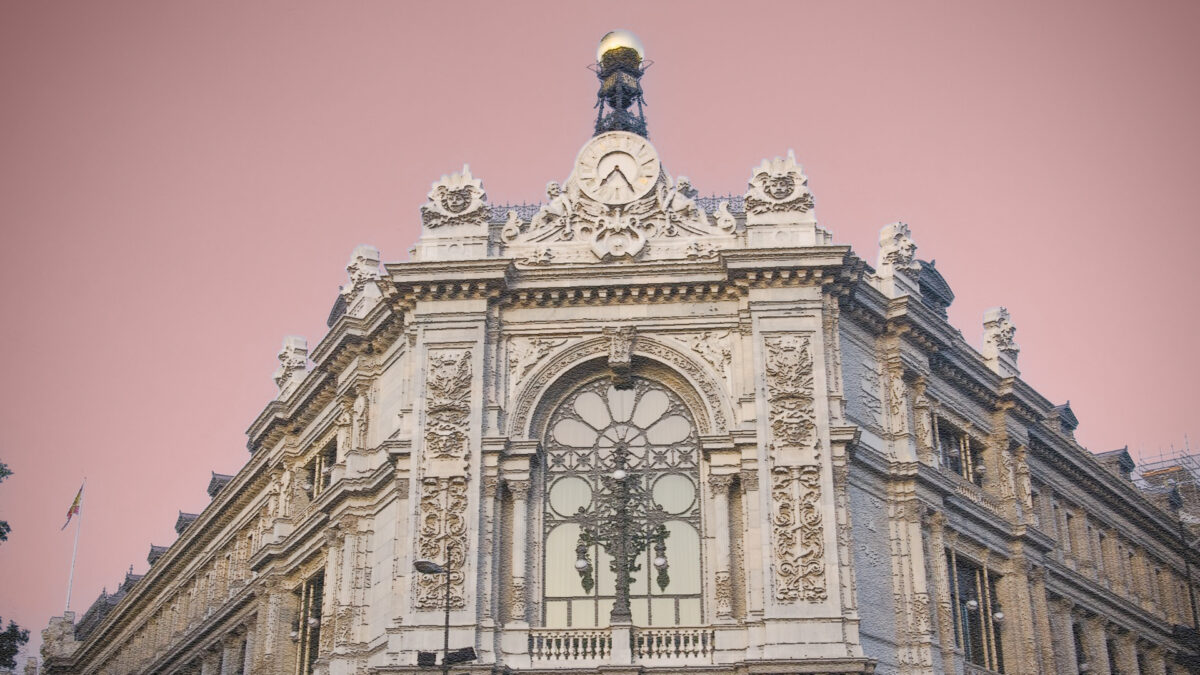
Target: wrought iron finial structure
column 619, row 66
column 626, row 522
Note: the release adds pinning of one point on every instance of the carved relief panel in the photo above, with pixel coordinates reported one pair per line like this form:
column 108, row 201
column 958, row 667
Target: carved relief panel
column 797, row 526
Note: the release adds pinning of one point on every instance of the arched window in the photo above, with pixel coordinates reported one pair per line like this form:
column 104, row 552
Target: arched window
column 613, row 456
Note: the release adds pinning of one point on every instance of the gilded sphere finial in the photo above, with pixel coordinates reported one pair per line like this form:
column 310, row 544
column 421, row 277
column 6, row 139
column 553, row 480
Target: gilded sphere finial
column 620, row 38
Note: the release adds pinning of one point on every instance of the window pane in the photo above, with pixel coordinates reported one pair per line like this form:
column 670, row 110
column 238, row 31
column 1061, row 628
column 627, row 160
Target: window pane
column 561, row 575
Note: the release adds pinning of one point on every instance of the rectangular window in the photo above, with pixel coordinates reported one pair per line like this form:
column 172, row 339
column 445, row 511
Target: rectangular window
column 977, row 613
column 319, row 471
column 957, row 452
column 307, row 631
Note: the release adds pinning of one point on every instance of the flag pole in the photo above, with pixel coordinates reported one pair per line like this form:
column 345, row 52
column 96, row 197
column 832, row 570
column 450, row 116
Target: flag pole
column 75, row 548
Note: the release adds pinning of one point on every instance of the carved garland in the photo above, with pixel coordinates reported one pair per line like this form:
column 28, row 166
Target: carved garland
column 443, row 537
column 796, row 519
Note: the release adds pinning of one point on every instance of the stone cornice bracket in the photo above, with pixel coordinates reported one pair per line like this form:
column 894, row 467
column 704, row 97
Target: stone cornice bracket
column 293, row 364
column 896, row 268
column 620, row 353
column 1000, row 350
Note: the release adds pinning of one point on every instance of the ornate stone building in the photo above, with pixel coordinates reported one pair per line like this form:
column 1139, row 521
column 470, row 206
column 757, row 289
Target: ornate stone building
column 640, row 430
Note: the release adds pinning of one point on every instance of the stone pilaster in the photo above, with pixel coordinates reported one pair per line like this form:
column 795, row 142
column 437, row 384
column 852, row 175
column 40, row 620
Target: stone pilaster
column 1061, row 621
column 941, row 590
column 1042, row 619
column 1095, row 635
column 719, row 485
column 1019, row 632
column 914, row 629
column 519, row 489
column 1127, row 661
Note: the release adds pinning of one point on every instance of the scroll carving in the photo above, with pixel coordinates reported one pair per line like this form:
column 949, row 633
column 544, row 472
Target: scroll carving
column 448, row 406
column 790, row 393
column 667, row 215
column 442, row 537
column 799, row 536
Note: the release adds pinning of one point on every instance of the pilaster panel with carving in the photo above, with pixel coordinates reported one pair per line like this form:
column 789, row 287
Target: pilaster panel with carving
column 799, row 538
column 442, row 536
column 797, row 527
column 448, row 404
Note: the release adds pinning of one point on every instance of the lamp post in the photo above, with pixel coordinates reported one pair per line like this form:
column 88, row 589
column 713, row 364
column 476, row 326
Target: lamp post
column 626, row 522
column 430, row 567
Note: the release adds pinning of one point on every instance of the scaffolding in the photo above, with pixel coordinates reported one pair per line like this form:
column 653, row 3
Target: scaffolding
column 1168, row 468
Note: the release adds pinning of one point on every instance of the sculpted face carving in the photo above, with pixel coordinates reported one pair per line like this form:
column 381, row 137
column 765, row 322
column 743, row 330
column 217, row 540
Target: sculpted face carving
column 456, row 201
column 780, row 187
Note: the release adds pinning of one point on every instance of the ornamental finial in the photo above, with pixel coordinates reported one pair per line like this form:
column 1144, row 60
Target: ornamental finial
column 619, row 66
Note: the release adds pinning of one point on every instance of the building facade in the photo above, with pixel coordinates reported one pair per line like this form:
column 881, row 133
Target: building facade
column 632, row 429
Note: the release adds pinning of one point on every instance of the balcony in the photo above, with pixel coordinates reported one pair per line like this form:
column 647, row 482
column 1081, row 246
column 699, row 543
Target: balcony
column 657, row 646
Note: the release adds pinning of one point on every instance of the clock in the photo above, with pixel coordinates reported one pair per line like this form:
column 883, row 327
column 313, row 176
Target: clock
column 617, row 167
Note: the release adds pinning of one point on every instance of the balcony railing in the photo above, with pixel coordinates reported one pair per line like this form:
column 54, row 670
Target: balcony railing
column 673, row 643
column 570, row 645
column 690, row 645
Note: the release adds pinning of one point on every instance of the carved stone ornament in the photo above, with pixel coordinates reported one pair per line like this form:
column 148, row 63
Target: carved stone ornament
column 719, row 484
column 869, row 387
column 517, row 600
column 363, row 267
column 789, row 368
column 293, row 358
column 620, row 352
column 998, row 333
column 799, row 538
column 897, row 250
column 442, row 536
column 778, row 185
column 525, row 353
column 724, row 593
column 457, row 199
column 447, row 404
column 714, row 347
column 617, row 204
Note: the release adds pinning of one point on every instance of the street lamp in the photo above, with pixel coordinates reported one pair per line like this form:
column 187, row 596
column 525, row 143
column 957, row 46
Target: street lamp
column 430, row 567
column 626, row 522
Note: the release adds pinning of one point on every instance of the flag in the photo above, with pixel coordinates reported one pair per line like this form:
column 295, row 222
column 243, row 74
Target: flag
column 74, row 510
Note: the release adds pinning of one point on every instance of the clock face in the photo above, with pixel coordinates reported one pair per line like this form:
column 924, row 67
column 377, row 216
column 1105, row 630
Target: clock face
column 617, row 167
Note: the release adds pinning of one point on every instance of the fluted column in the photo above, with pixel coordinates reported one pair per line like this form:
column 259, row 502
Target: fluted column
column 720, row 484
column 519, row 489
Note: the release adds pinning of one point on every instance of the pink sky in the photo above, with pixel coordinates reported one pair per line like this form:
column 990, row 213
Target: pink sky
column 181, row 185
